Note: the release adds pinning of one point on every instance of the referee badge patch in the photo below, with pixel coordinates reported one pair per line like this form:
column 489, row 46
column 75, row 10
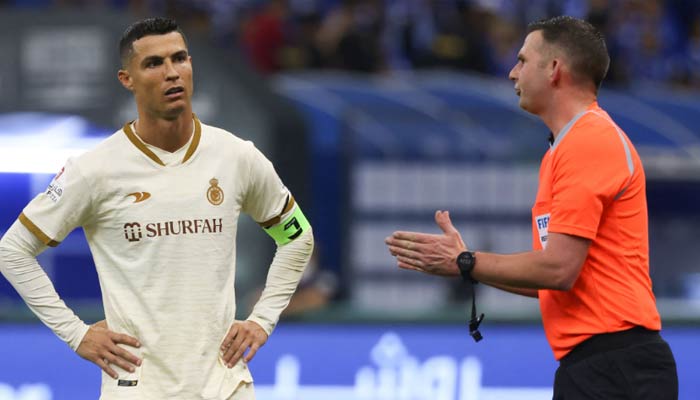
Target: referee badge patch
column 542, row 222
column 214, row 194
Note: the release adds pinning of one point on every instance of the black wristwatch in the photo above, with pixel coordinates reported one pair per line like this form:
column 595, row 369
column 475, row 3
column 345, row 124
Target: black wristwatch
column 465, row 262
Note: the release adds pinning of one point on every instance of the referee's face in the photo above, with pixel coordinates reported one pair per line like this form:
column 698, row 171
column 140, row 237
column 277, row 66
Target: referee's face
column 160, row 75
column 530, row 73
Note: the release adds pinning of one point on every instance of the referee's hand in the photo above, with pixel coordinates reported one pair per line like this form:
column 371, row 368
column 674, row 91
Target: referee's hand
column 243, row 336
column 434, row 254
column 100, row 346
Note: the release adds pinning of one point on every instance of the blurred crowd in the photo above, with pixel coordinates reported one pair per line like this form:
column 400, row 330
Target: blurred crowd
column 649, row 40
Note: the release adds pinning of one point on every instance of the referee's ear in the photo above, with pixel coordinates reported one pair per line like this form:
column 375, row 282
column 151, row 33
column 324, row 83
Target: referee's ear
column 125, row 79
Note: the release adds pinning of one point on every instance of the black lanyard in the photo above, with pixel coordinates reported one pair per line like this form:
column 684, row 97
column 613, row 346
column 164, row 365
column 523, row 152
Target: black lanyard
column 474, row 321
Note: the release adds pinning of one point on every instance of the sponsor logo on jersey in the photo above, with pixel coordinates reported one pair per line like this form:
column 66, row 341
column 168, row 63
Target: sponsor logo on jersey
column 135, row 231
column 139, row 196
column 132, row 231
column 214, row 194
column 55, row 189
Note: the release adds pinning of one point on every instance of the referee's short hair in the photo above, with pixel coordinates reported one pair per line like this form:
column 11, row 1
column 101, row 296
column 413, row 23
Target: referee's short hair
column 583, row 45
column 145, row 27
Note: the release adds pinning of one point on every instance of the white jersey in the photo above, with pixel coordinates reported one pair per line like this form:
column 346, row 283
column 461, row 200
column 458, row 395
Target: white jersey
column 163, row 239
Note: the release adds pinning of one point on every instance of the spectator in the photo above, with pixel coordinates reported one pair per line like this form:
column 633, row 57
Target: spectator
column 264, row 36
column 349, row 37
column 646, row 37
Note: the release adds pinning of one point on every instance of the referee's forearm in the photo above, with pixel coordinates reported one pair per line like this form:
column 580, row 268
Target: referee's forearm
column 515, row 290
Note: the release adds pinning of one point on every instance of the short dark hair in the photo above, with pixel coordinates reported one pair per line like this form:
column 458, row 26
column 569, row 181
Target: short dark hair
column 583, row 44
column 145, row 27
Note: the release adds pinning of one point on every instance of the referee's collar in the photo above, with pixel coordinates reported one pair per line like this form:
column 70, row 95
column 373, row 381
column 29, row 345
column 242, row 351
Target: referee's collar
column 554, row 141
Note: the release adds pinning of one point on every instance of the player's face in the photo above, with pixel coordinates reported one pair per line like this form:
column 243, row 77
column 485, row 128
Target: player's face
column 530, row 74
column 160, row 75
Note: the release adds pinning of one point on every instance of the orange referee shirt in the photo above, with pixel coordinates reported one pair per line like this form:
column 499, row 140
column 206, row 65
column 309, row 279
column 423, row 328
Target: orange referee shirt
column 592, row 185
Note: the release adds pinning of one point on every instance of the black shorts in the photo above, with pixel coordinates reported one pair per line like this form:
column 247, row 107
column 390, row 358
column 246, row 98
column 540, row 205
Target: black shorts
column 636, row 364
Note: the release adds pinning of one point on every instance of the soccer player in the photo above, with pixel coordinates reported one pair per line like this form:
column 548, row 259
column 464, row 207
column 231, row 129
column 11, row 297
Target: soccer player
column 590, row 263
column 159, row 202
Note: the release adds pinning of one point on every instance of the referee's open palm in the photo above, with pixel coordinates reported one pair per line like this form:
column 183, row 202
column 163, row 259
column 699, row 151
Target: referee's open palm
column 433, row 254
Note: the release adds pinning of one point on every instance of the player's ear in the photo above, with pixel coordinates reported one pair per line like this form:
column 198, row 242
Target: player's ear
column 555, row 70
column 125, row 79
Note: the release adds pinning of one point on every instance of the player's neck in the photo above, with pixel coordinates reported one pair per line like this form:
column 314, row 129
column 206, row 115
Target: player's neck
column 169, row 135
column 564, row 107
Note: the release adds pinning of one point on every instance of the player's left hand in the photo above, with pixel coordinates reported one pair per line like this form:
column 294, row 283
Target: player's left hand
column 242, row 336
column 429, row 253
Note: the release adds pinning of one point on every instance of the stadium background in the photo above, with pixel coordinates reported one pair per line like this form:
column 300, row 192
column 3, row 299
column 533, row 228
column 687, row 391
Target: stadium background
column 375, row 114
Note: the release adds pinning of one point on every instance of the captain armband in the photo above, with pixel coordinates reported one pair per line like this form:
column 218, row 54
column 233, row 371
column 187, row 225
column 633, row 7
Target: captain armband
column 290, row 228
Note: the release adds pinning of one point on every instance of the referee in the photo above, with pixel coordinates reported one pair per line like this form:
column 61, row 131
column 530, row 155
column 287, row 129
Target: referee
column 590, row 262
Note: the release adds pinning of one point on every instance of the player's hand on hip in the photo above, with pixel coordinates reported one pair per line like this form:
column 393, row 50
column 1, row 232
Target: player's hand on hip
column 429, row 253
column 101, row 324
column 100, row 345
column 242, row 336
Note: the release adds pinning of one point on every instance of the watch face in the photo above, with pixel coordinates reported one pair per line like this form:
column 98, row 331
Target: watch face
column 465, row 263
column 466, row 260
column 460, row 259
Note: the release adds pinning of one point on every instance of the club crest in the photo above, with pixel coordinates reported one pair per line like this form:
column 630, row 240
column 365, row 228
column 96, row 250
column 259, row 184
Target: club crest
column 214, row 194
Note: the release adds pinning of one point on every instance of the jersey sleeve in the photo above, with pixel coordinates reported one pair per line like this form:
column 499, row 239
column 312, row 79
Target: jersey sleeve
column 65, row 205
column 266, row 197
column 589, row 169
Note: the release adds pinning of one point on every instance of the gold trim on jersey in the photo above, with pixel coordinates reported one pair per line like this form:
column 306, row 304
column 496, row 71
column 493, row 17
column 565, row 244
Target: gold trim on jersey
column 195, row 139
column 276, row 220
column 145, row 150
column 36, row 231
column 140, row 145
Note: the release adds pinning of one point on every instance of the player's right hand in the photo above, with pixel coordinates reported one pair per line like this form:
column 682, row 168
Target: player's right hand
column 100, row 347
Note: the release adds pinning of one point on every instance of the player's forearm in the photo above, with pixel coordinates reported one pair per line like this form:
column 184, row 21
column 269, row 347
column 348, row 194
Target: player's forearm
column 18, row 264
column 284, row 275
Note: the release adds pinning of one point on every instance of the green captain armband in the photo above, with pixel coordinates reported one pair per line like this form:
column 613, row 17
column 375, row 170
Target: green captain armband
column 289, row 229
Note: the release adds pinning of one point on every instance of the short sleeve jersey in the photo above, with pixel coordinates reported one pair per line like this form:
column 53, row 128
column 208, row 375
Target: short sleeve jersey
column 592, row 185
column 163, row 241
